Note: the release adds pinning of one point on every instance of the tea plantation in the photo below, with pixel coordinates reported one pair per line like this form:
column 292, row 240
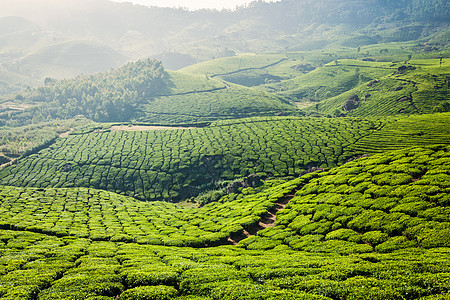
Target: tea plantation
column 374, row 228
column 101, row 215
column 348, row 146
column 421, row 86
column 382, row 203
column 177, row 164
column 180, row 163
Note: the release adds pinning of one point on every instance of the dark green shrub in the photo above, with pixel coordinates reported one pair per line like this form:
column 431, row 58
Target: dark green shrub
column 135, row 278
column 159, row 292
column 375, row 237
column 395, row 243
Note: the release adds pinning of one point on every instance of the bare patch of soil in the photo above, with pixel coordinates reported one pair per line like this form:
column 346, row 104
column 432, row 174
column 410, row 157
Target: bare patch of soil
column 65, row 134
column 16, row 106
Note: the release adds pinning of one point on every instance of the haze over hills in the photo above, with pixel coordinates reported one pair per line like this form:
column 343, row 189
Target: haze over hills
column 309, row 160
column 123, row 32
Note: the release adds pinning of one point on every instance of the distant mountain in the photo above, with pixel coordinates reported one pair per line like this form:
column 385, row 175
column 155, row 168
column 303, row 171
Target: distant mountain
column 179, row 38
column 70, row 58
column 27, row 50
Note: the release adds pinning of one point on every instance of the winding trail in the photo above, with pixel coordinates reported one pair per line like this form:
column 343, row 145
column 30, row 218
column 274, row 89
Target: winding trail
column 248, row 69
column 267, row 220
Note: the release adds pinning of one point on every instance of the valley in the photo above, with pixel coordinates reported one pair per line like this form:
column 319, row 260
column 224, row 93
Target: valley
column 281, row 150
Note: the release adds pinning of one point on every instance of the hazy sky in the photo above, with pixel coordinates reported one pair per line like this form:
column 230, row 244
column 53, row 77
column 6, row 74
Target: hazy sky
column 192, row 4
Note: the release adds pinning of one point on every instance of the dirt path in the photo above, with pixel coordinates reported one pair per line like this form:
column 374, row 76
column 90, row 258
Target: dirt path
column 66, row 134
column 248, row 69
column 266, row 221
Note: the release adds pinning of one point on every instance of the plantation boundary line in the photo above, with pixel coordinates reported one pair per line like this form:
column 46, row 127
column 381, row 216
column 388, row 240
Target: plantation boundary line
column 350, row 147
column 359, row 66
column 193, row 92
column 267, row 114
column 248, row 69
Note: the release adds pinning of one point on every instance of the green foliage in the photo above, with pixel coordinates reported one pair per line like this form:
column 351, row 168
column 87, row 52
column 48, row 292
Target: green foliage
column 419, row 90
column 180, row 163
column 104, row 216
column 159, row 292
column 110, row 96
column 381, row 203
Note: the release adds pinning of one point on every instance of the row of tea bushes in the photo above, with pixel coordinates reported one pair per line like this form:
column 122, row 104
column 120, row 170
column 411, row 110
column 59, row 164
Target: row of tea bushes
column 101, row 215
column 46, row 267
column 180, row 163
column 381, row 203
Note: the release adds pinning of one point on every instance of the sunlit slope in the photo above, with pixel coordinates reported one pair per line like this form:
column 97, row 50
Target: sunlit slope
column 331, row 79
column 101, row 215
column 402, row 131
column 382, row 203
column 193, row 98
column 379, row 222
column 75, row 268
column 226, row 65
column 419, row 87
column 180, row 163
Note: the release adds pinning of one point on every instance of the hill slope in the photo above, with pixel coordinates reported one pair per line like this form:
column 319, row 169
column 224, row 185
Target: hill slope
column 419, row 87
column 322, row 82
column 181, row 37
column 143, row 91
column 388, row 215
column 385, row 202
column 178, row 164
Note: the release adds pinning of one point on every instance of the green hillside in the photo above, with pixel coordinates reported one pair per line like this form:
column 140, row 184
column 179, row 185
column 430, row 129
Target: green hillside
column 199, row 98
column 419, row 87
column 143, row 92
column 301, row 152
column 322, row 81
column 179, row 163
column 379, row 222
column 385, row 202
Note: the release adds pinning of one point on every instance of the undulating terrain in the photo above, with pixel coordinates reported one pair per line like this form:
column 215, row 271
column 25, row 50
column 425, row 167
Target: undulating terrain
column 289, row 150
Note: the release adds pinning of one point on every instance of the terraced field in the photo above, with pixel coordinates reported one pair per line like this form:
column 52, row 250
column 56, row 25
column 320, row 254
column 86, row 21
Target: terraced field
column 181, row 163
column 423, row 88
column 383, row 203
column 178, row 164
column 326, row 244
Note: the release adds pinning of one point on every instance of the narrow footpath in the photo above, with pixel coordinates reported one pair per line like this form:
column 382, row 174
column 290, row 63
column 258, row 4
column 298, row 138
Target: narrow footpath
column 267, row 220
